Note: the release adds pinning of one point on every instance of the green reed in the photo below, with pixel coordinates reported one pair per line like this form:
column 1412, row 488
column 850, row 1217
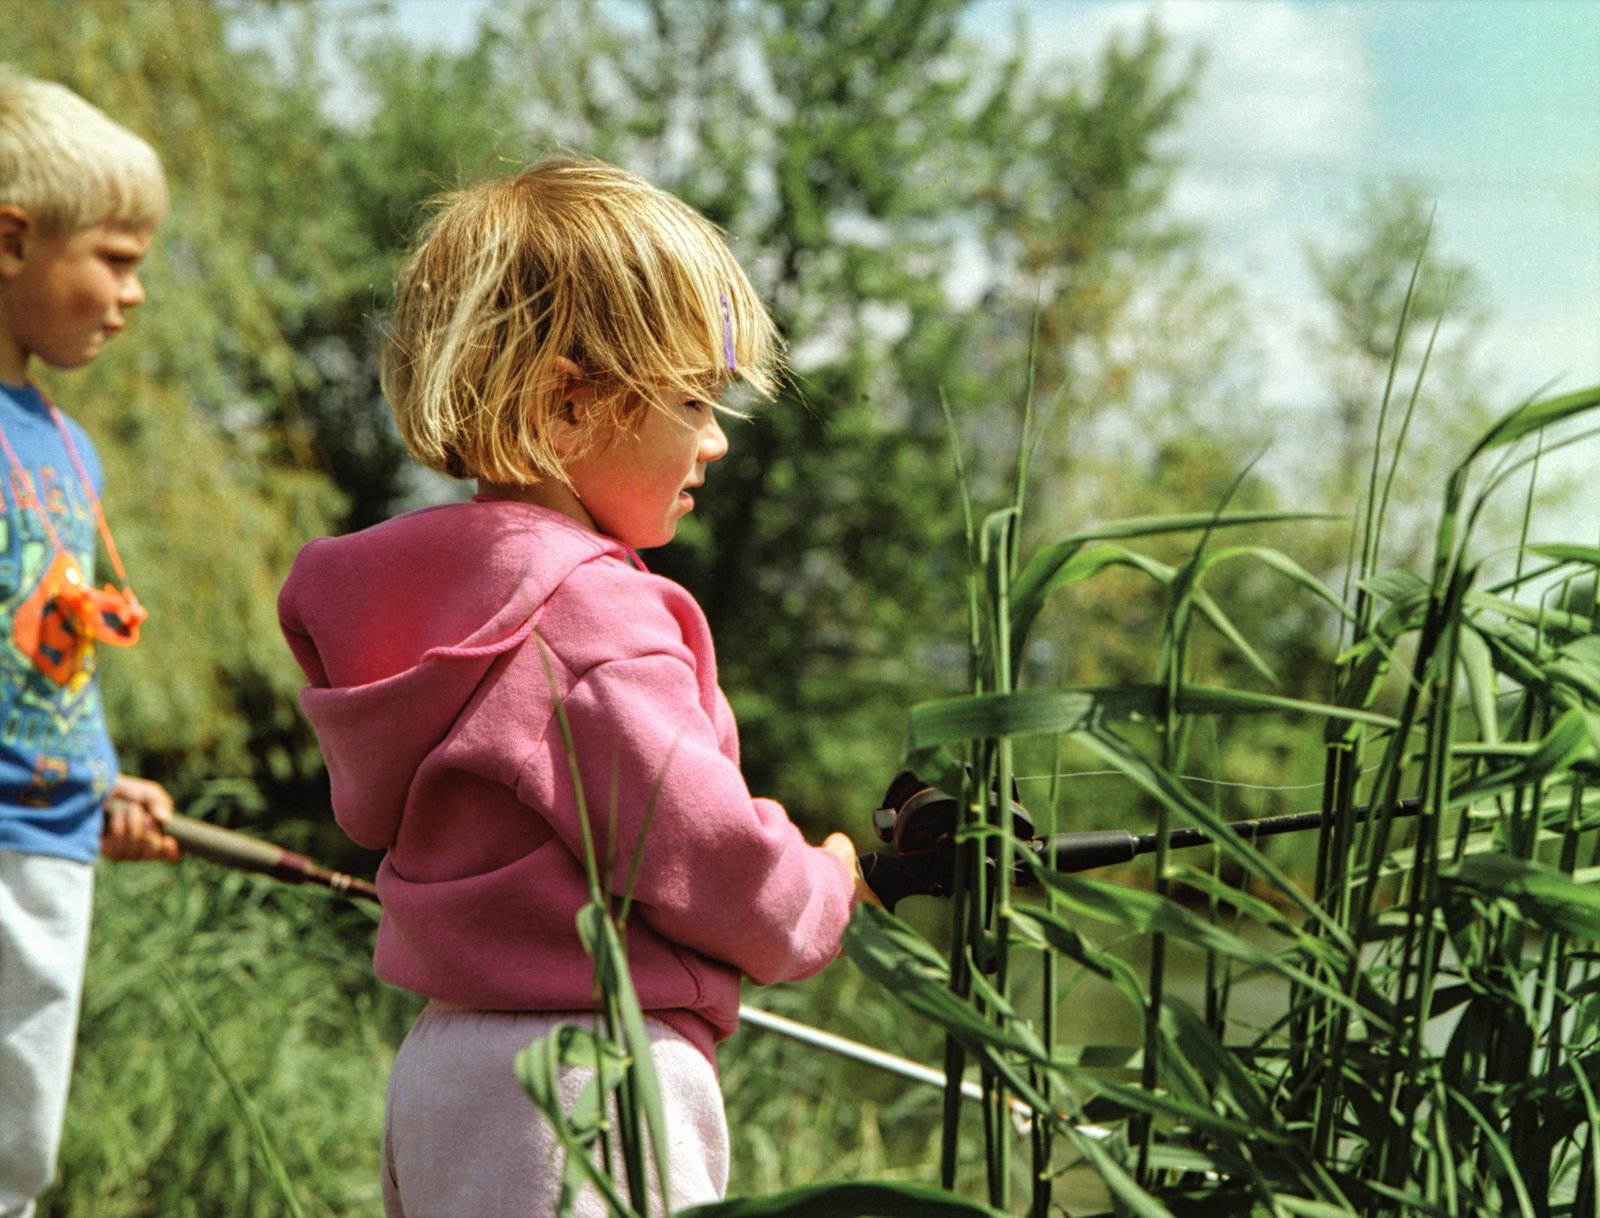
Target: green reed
column 618, row 1117
column 1434, row 1054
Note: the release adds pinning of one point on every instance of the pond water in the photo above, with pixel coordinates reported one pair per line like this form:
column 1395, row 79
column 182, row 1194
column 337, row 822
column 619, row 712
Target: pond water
column 1094, row 1015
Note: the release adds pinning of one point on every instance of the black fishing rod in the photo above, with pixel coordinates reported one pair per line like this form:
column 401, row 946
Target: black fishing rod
column 1104, row 847
column 920, row 821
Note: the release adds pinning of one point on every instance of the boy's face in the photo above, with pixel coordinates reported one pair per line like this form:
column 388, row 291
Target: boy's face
column 62, row 297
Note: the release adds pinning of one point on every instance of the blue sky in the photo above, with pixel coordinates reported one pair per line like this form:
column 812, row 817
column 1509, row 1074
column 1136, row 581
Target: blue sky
column 1493, row 104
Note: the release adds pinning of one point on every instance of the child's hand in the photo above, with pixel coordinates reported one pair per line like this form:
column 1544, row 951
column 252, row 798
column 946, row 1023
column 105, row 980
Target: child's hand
column 136, row 811
column 840, row 844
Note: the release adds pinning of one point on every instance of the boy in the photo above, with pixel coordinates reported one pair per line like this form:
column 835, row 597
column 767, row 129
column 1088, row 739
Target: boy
column 80, row 198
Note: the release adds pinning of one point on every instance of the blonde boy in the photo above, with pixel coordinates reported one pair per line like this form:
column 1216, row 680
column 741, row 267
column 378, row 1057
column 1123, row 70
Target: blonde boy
column 80, row 198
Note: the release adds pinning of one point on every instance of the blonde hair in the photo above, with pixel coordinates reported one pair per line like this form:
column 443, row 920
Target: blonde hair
column 568, row 260
column 69, row 166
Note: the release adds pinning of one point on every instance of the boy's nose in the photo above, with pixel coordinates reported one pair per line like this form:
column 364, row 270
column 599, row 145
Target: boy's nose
column 131, row 293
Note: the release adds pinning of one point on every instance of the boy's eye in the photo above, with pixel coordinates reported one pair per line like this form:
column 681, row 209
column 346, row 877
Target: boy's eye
column 695, row 404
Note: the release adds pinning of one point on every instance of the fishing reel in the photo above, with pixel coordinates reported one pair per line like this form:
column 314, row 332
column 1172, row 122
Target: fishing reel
column 920, row 822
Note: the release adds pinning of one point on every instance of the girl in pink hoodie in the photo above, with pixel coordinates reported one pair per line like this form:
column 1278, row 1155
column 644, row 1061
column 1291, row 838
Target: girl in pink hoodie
column 562, row 337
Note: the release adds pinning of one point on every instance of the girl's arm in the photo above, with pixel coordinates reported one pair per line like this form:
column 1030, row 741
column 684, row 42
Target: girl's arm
column 841, row 845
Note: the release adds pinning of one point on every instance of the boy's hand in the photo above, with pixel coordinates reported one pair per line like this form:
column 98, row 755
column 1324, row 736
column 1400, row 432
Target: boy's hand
column 136, row 812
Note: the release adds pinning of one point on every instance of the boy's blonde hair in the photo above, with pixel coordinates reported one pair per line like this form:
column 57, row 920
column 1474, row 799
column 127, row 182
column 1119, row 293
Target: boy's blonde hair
column 568, row 260
column 69, row 166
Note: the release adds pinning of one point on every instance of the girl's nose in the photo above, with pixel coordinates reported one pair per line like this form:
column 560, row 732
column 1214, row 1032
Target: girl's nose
column 713, row 440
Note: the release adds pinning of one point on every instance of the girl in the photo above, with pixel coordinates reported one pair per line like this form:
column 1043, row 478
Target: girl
column 560, row 336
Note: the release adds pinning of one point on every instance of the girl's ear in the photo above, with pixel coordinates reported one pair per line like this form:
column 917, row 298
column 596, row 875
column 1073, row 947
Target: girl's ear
column 576, row 394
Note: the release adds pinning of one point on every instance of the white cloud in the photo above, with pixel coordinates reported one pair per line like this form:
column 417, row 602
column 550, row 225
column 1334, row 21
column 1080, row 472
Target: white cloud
column 1285, row 83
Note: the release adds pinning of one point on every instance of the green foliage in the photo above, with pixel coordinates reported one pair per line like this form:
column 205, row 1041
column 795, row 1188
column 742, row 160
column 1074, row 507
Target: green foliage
column 1431, row 1014
column 209, row 486
column 232, row 1038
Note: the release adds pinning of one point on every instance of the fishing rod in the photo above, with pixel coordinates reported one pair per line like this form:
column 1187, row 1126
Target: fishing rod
column 920, row 822
column 1103, row 847
column 241, row 852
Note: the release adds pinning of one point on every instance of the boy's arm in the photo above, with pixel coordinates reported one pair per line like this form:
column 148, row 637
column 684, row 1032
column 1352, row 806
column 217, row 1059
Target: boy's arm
column 136, row 812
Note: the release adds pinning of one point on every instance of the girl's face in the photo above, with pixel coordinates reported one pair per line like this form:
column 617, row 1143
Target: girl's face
column 636, row 485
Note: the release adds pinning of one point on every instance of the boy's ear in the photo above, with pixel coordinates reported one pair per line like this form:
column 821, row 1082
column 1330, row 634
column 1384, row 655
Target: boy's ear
column 16, row 230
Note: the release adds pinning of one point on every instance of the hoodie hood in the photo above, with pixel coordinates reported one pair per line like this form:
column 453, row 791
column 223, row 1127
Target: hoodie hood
column 396, row 627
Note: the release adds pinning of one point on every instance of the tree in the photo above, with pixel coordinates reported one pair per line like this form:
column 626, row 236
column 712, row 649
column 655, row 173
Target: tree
column 851, row 151
column 210, row 485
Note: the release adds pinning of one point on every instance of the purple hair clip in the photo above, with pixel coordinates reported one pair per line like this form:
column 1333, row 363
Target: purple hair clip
column 727, row 333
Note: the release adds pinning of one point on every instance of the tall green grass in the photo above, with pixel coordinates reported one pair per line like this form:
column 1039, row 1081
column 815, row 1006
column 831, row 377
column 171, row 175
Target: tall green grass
column 232, row 1052
column 1433, row 1052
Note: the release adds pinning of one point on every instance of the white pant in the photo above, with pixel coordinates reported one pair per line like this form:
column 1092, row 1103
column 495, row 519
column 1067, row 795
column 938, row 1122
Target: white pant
column 45, row 905
column 463, row 1140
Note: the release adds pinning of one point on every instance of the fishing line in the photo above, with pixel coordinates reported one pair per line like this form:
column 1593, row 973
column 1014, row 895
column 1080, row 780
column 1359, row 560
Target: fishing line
column 1189, row 778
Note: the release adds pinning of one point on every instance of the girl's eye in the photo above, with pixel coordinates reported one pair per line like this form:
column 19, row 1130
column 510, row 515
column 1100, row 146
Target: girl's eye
column 694, row 404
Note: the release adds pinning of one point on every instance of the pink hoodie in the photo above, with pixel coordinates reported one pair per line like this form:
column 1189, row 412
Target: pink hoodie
column 437, row 646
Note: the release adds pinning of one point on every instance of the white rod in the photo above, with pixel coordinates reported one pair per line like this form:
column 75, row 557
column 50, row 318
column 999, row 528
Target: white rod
column 902, row 1066
column 806, row 1034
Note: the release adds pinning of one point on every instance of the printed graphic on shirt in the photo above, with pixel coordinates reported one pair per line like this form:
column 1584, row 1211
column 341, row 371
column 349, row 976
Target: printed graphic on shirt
column 45, row 625
column 53, row 751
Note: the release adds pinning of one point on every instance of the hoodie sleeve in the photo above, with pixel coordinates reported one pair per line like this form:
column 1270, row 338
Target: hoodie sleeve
column 721, row 872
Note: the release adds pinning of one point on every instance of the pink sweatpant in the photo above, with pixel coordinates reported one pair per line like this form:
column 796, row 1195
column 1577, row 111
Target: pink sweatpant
column 462, row 1139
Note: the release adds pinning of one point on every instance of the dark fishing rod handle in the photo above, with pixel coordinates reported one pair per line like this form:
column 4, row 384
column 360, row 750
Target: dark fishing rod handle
column 1091, row 849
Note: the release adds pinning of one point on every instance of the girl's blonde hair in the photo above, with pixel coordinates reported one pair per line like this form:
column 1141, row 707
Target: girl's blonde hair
column 69, row 166
column 568, row 260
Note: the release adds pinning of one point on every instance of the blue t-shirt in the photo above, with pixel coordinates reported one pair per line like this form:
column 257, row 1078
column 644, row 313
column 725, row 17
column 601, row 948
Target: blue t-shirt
column 56, row 758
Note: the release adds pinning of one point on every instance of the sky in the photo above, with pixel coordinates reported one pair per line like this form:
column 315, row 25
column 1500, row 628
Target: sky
column 1493, row 104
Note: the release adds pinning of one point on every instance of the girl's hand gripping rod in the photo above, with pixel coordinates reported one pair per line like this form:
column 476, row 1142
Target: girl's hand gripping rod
column 920, row 823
